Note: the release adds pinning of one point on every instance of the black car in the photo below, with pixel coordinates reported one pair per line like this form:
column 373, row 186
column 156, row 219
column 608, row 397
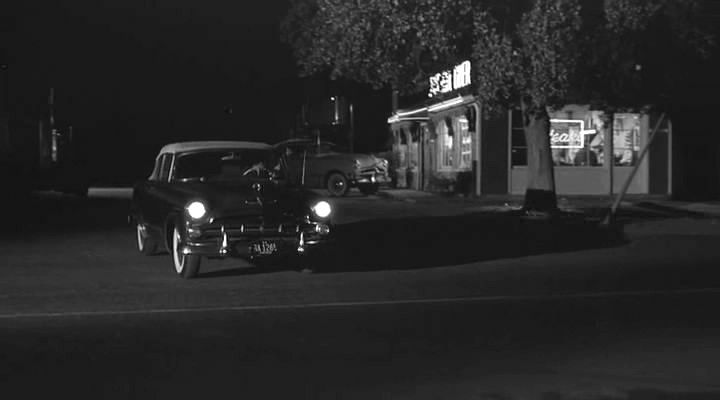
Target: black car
column 226, row 199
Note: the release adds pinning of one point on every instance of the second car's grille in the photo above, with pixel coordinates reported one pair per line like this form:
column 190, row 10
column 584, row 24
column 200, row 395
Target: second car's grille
column 375, row 169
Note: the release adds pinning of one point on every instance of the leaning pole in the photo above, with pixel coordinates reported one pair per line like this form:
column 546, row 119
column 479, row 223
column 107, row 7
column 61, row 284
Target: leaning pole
column 610, row 217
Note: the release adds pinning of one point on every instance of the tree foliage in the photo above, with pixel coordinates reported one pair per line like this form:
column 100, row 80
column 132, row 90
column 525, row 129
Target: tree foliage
column 379, row 42
column 546, row 51
column 533, row 62
column 639, row 53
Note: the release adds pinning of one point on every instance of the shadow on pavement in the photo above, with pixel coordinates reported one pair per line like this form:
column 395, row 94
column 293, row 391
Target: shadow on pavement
column 670, row 211
column 41, row 213
column 634, row 394
column 421, row 242
column 643, row 211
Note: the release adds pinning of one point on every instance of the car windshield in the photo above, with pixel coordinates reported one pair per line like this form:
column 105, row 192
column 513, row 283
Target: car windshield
column 323, row 147
column 226, row 164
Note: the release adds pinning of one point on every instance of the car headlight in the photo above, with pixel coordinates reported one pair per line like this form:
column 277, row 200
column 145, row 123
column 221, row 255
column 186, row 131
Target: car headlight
column 196, row 209
column 322, row 209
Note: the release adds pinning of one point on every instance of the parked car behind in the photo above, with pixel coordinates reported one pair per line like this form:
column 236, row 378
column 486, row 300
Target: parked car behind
column 224, row 199
column 325, row 166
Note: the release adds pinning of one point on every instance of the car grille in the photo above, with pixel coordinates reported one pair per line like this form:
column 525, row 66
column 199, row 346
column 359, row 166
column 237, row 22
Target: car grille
column 376, row 169
column 251, row 227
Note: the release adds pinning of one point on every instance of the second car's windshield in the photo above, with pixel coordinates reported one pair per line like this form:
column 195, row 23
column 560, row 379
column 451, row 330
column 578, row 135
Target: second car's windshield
column 224, row 164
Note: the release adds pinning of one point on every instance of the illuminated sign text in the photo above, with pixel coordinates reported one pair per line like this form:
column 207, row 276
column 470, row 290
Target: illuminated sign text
column 568, row 133
column 447, row 81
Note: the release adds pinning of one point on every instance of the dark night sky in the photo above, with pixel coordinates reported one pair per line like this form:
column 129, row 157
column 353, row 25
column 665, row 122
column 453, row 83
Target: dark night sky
column 135, row 74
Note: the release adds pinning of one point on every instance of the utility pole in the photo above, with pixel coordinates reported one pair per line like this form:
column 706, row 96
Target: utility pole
column 5, row 109
column 351, row 134
column 4, row 70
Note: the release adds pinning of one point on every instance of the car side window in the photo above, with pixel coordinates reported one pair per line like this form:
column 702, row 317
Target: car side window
column 292, row 150
column 156, row 170
column 165, row 165
column 324, row 148
column 299, row 149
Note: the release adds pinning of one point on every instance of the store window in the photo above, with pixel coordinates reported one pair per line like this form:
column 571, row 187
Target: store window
column 454, row 143
column 575, row 142
column 518, row 150
column 402, row 148
column 626, row 139
column 413, row 153
column 463, row 127
column 445, row 143
column 575, row 139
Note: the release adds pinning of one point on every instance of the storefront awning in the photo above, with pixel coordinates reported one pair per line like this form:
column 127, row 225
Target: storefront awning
column 422, row 113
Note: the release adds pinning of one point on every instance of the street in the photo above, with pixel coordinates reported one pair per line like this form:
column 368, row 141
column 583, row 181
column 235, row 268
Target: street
column 421, row 300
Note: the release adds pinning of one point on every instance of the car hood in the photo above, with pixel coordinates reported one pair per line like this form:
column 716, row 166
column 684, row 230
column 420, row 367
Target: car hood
column 225, row 199
column 365, row 160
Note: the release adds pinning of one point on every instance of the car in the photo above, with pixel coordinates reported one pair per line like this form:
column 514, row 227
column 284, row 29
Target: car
column 218, row 199
column 322, row 165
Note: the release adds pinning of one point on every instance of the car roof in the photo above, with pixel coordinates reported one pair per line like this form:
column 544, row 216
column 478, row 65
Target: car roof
column 302, row 141
column 182, row 147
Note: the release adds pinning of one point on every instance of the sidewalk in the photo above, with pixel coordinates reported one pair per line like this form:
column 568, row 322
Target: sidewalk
column 638, row 205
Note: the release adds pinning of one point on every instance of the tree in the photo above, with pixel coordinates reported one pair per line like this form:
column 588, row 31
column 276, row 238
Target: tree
column 531, row 63
column 379, row 42
column 534, row 53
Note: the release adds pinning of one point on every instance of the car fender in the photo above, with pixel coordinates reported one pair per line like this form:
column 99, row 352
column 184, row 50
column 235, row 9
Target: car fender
column 173, row 219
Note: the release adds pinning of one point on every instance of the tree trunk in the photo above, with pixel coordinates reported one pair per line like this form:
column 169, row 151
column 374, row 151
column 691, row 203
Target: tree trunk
column 540, row 192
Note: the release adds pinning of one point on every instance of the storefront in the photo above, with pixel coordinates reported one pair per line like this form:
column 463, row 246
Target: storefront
column 436, row 145
column 588, row 163
column 446, row 146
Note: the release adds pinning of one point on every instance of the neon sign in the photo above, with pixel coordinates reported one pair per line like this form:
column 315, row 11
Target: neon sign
column 449, row 80
column 568, row 133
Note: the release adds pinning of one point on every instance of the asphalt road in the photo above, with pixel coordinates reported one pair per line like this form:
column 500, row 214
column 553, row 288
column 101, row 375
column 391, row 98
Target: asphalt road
column 424, row 301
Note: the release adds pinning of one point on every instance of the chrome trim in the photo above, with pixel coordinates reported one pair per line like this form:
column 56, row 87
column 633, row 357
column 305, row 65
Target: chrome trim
column 301, row 243
column 224, row 247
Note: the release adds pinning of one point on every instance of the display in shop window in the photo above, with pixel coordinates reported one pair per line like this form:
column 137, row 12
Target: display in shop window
column 626, row 139
column 571, row 145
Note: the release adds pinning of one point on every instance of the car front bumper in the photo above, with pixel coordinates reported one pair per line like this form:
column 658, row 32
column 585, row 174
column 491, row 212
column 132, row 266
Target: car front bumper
column 230, row 243
column 371, row 178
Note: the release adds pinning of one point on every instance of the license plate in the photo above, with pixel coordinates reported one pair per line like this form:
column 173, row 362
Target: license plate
column 264, row 248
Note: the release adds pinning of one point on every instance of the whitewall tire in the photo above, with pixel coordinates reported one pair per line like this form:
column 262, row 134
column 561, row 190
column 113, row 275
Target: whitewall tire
column 146, row 244
column 187, row 266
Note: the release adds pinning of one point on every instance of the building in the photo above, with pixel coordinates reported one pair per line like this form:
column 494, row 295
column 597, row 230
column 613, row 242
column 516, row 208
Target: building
column 447, row 145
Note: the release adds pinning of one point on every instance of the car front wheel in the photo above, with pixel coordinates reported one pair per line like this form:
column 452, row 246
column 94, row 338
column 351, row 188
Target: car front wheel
column 186, row 265
column 337, row 185
column 145, row 242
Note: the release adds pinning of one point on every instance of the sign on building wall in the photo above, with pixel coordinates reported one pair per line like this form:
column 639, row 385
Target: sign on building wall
column 568, row 133
column 449, row 80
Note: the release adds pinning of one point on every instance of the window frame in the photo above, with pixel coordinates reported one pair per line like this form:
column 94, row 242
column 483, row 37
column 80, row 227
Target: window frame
column 165, row 176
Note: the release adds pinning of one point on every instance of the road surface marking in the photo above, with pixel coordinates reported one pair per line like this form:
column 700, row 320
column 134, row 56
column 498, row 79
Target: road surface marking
column 280, row 307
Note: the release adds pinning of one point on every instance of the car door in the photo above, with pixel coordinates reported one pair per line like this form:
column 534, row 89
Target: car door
column 155, row 195
column 322, row 164
column 294, row 158
column 139, row 207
